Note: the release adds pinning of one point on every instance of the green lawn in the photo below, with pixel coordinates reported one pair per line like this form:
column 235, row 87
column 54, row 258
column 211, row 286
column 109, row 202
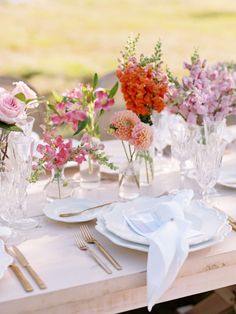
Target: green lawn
column 56, row 43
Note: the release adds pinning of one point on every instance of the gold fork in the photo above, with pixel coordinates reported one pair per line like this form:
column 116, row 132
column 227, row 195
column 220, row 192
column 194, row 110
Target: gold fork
column 89, row 238
column 82, row 246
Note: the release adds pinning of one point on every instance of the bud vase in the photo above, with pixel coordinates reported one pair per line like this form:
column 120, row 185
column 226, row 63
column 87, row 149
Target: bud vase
column 129, row 186
column 58, row 187
column 90, row 175
column 145, row 159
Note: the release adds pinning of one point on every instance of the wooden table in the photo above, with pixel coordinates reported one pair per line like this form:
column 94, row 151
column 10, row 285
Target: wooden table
column 77, row 285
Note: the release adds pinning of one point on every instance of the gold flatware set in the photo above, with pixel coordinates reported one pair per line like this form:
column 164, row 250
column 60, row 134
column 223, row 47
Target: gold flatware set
column 86, row 236
column 18, row 256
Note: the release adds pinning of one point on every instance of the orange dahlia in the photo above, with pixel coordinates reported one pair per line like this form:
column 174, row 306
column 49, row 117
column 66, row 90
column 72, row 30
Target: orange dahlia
column 122, row 124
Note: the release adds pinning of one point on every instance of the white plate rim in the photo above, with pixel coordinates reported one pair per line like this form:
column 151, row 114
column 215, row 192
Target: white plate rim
column 87, row 216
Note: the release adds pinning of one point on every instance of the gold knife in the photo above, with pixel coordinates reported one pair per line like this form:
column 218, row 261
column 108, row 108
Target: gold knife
column 20, row 276
column 24, row 263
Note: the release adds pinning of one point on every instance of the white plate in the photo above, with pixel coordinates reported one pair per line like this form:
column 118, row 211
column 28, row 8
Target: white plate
column 5, row 259
column 100, row 227
column 228, row 178
column 55, row 208
column 207, row 221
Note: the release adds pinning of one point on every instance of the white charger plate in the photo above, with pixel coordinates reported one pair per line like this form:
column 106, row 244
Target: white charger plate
column 57, row 207
column 101, row 228
column 5, row 259
column 206, row 220
column 228, row 178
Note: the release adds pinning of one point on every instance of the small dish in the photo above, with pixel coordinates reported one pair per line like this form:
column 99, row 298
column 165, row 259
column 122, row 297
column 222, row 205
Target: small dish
column 5, row 259
column 57, row 207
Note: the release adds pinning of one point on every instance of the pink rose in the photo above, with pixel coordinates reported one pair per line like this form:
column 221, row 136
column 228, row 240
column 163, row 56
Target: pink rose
column 10, row 108
column 21, row 87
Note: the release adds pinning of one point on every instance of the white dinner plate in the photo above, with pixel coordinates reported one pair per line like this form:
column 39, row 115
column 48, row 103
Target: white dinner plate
column 206, row 220
column 101, row 228
column 5, row 259
column 57, row 207
column 228, row 178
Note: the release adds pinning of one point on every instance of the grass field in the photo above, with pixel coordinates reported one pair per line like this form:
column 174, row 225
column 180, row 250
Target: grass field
column 56, row 43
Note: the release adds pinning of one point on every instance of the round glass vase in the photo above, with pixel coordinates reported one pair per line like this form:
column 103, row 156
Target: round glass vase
column 58, row 186
column 129, row 185
column 90, row 175
column 145, row 160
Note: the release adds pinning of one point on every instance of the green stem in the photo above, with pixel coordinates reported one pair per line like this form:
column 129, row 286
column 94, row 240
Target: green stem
column 146, row 166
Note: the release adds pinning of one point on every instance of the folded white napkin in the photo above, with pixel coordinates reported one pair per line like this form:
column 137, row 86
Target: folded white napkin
column 167, row 231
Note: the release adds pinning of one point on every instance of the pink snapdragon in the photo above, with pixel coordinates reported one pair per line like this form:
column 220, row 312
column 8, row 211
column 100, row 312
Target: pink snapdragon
column 205, row 93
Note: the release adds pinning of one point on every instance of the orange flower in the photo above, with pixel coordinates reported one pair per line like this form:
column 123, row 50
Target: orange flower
column 143, row 88
column 122, row 124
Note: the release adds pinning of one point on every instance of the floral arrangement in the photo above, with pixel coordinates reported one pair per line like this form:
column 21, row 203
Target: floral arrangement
column 127, row 127
column 143, row 83
column 14, row 107
column 205, row 93
column 80, row 108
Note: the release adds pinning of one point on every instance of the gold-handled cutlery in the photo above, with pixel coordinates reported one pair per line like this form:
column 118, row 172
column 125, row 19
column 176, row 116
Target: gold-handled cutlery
column 231, row 220
column 84, row 210
column 82, row 246
column 20, row 276
column 89, row 238
column 24, row 263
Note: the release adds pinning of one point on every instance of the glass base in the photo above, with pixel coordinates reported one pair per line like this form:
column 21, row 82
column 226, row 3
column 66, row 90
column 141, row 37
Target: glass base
column 26, row 223
column 89, row 185
column 128, row 195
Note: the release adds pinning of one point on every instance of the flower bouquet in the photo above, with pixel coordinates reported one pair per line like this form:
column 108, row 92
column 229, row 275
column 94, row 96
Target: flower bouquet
column 143, row 85
column 135, row 136
column 204, row 98
column 14, row 107
column 81, row 109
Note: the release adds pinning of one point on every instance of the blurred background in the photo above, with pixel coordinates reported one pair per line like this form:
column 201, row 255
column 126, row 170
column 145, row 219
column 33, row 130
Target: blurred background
column 53, row 44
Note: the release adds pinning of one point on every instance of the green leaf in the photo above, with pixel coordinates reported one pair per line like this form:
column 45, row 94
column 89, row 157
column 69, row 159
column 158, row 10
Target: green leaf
column 52, row 108
column 21, row 97
column 57, row 97
column 113, row 90
column 95, row 80
column 81, row 126
column 10, row 127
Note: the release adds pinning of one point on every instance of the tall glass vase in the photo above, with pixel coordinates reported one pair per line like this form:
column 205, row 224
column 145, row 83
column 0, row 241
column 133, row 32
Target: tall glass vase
column 58, row 186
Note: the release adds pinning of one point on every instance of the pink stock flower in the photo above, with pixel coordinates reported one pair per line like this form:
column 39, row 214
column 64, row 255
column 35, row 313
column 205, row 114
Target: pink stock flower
column 102, row 100
column 122, row 124
column 142, row 136
column 10, row 108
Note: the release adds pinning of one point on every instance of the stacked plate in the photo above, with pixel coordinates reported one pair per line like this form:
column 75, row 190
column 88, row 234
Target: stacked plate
column 209, row 226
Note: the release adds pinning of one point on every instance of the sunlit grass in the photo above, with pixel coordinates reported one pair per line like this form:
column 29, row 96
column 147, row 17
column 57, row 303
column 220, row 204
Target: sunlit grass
column 57, row 42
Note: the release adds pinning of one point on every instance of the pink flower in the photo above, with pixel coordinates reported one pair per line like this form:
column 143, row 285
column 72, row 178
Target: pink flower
column 102, row 100
column 21, row 87
column 122, row 124
column 142, row 136
column 86, row 138
column 10, row 108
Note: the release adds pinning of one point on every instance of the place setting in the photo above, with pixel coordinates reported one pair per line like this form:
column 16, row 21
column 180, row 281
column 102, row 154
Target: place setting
column 113, row 196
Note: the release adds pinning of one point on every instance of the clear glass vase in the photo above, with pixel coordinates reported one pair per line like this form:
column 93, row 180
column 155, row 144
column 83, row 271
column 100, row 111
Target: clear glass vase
column 58, row 186
column 129, row 185
column 145, row 160
column 90, row 175
column 4, row 142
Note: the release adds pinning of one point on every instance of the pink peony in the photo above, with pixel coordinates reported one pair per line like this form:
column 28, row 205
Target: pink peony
column 123, row 123
column 10, row 108
column 142, row 136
